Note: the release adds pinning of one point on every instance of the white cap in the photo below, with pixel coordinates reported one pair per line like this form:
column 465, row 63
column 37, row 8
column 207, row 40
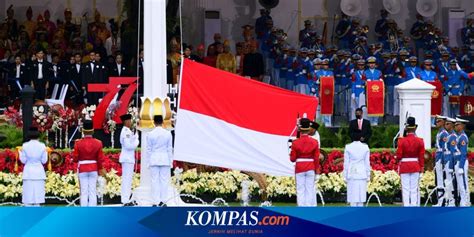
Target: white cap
column 461, row 121
column 450, row 120
column 438, row 117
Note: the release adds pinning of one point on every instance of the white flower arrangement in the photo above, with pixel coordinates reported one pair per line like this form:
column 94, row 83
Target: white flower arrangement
column 219, row 184
column 135, row 117
column 88, row 112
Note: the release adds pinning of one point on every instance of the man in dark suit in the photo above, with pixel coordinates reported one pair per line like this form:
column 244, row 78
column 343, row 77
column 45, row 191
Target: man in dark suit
column 92, row 72
column 17, row 77
column 360, row 125
column 40, row 72
column 118, row 69
column 57, row 75
column 75, row 79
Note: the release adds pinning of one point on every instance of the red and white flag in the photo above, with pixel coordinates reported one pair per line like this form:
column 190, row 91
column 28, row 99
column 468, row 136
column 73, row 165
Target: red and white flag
column 229, row 121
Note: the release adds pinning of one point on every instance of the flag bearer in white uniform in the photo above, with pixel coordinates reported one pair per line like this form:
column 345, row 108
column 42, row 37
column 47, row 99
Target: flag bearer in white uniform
column 356, row 171
column 305, row 152
column 129, row 142
column 33, row 154
column 160, row 150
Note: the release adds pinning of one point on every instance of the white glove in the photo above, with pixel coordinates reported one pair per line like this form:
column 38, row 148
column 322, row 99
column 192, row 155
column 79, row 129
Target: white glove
column 460, row 171
column 353, row 96
column 317, row 177
column 450, row 170
column 421, row 175
column 450, row 94
column 313, row 90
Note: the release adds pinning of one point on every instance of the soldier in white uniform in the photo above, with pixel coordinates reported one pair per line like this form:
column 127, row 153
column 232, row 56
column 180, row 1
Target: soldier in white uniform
column 357, row 171
column 160, row 150
column 129, row 142
column 33, row 154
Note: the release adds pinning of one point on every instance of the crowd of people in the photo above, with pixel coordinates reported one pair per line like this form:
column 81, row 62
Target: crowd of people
column 42, row 52
column 265, row 55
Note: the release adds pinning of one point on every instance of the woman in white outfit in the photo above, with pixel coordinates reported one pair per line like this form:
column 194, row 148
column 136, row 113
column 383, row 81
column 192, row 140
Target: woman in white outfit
column 356, row 171
column 33, row 155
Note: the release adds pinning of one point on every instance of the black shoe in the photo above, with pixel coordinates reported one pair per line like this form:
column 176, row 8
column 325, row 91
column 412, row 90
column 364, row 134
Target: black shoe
column 129, row 204
column 154, row 205
column 162, row 204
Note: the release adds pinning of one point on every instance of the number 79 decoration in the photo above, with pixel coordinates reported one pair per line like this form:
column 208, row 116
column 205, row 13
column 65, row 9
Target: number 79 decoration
column 111, row 90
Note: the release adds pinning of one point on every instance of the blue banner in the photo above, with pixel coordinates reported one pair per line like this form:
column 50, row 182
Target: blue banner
column 213, row 221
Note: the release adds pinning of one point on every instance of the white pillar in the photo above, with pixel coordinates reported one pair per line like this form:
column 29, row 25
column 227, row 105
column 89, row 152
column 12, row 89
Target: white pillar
column 415, row 101
column 154, row 70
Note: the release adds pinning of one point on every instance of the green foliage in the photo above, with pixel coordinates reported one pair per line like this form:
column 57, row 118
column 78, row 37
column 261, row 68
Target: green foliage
column 471, row 140
column 13, row 136
column 382, row 136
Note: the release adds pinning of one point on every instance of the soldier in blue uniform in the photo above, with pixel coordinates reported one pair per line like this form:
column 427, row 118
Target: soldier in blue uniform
column 467, row 33
column 381, row 28
column 361, row 46
column 342, row 77
column 406, row 45
column 417, row 33
column 291, row 64
column 388, row 69
column 277, row 65
column 307, row 35
column 428, row 74
column 314, row 82
column 455, row 82
column 461, row 164
column 448, row 162
column 442, row 66
column 302, row 72
column 412, row 70
column 441, row 139
column 343, row 31
column 260, row 23
column 266, row 43
column 358, row 87
column 373, row 74
column 283, row 60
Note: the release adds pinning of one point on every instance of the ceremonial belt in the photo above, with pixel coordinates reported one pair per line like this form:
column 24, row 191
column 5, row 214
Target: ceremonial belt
column 447, row 153
column 338, row 75
column 284, row 68
column 439, row 150
column 359, row 86
column 457, row 153
column 388, row 75
column 86, row 162
column 409, row 160
column 456, row 86
column 304, row 159
column 290, row 70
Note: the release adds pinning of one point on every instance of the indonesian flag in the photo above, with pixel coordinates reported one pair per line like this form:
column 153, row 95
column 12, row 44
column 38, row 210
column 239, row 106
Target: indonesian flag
column 229, row 121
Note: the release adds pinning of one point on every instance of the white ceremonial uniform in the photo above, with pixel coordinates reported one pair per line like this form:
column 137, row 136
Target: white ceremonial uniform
column 33, row 154
column 159, row 149
column 129, row 142
column 356, row 172
column 317, row 138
